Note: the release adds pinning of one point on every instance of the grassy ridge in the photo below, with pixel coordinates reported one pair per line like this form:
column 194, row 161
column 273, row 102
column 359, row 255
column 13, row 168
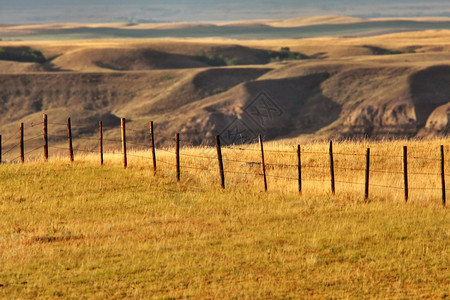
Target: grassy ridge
column 235, row 31
column 105, row 232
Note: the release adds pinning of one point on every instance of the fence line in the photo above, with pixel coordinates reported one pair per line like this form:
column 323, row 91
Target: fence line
column 268, row 170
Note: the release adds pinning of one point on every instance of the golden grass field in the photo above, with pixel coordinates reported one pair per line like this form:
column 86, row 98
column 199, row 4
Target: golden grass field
column 81, row 230
column 90, row 231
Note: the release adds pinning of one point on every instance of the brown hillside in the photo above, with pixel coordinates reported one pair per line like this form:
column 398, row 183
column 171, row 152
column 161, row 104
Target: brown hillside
column 116, row 59
column 11, row 67
column 201, row 85
column 429, row 88
column 166, row 55
column 395, row 86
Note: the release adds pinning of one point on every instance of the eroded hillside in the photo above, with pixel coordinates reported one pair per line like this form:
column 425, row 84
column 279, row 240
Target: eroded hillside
column 370, row 89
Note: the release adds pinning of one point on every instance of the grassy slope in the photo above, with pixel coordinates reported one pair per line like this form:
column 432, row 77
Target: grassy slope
column 296, row 28
column 81, row 230
column 135, row 79
column 96, row 96
column 105, row 232
column 420, row 41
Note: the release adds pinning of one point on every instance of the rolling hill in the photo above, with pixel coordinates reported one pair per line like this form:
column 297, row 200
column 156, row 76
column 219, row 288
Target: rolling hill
column 387, row 86
column 265, row 29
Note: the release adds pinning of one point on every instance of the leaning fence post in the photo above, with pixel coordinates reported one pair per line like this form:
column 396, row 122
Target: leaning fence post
column 124, row 143
column 366, row 189
column 263, row 163
column 405, row 171
column 69, row 133
column 22, row 150
column 152, row 136
column 299, row 170
column 219, row 157
column 101, row 143
column 177, row 155
column 443, row 175
column 45, row 138
column 333, row 188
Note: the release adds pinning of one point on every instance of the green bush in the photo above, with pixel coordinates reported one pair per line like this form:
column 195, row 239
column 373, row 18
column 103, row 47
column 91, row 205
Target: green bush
column 284, row 54
column 260, row 57
column 22, row 54
column 216, row 60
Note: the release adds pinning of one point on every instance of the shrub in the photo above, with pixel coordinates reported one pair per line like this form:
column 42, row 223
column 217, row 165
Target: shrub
column 216, row 60
column 22, row 54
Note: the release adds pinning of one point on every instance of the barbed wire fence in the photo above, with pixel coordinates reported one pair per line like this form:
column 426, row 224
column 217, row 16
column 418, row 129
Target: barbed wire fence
column 232, row 164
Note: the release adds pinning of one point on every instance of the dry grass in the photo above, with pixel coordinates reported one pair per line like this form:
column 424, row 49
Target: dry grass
column 427, row 41
column 322, row 98
column 81, row 230
column 296, row 22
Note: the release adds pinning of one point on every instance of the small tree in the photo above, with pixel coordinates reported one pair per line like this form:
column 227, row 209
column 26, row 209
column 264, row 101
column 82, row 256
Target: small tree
column 285, row 52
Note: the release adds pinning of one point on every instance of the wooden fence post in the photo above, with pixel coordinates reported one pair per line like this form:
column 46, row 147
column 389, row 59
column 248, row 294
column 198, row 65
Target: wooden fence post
column 219, row 157
column 152, row 136
column 45, row 138
column 22, row 150
column 124, row 143
column 443, row 175
column 333, row 188
column 299, row 159
column 366, row 189
column 263, row 162
column 69, row 133
column 101, row 143
column 177, row 155
column 405, row 171
column 0, row 149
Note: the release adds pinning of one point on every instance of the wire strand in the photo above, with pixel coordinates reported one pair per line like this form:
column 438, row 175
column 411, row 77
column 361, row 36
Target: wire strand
column 386, row 186
column 243, row 173
column 33, row 138
column 11, row 137
column 197, row 156
column 349, row 182
column 348, row 154
column 281, row 177
column 26, row 153
column 242, row 161
column 166, row 163
column 10, row 149
column 195, row 168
